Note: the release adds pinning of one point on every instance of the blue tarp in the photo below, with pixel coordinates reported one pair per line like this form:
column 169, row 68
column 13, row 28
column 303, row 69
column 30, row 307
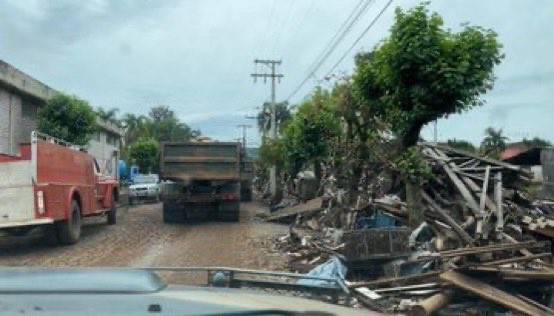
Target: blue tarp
column 378, row 220
column 332, row 269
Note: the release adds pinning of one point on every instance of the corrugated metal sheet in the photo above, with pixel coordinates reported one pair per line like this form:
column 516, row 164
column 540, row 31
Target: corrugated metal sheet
column 547, row 161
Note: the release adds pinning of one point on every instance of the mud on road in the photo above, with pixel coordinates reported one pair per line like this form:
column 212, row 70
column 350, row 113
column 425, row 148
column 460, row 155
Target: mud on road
column 141, row 239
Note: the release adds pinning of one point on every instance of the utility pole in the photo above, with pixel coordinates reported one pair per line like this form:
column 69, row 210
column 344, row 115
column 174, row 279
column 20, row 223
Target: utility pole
column 273, row 132
column 435, row 131
column 244, row 127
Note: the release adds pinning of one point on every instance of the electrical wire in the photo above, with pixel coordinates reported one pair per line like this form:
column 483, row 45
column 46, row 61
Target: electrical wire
column 348, row 24
column 359, row 38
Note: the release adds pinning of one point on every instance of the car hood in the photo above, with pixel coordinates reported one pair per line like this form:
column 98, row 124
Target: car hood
column 143, row 186
column 101, row 291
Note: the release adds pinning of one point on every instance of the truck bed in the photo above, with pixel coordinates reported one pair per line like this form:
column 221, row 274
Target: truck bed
column 200, row 161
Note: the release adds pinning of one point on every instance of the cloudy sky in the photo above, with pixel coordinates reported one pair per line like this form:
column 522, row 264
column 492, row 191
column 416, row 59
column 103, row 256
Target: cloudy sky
column 197, row 55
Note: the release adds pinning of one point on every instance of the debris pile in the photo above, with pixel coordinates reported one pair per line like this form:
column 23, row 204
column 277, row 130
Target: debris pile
column 484, row 245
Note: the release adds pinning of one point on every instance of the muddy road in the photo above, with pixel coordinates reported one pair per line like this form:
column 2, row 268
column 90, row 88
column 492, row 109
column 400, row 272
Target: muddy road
column 141, row 239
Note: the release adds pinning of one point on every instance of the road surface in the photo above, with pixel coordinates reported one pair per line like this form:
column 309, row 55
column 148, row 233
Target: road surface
column 140, row 239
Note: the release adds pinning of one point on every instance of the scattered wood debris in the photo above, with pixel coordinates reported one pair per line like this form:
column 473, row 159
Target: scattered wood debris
column 484, row 242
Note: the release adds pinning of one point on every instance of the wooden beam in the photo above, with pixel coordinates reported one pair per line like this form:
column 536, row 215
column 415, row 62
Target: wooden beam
column 483, row 159
column 528, row 275
column 457, row 182
column 498, row 199
column 491, row 293
column 459, row 230
column 517, row 259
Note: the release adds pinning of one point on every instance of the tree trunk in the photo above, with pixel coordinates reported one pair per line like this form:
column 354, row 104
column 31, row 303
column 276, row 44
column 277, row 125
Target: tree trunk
column 416, row 212
column 317, row 170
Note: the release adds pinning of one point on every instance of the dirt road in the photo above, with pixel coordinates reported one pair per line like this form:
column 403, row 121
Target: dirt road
column 140, row 239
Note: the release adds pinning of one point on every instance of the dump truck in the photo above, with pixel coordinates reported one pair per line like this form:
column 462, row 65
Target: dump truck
column 52, row 182
column 202, row 181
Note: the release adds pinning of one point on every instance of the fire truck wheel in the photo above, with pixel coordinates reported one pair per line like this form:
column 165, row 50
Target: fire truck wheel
column 112, row 214
column 70, row 230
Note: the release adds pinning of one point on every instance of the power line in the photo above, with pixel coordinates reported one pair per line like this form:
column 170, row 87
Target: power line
column 336, row 40
column 298, row 26
column 270, row 18
column 359, row 38
column 284, row 23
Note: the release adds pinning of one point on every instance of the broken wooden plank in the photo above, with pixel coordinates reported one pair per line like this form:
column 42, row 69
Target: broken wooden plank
column 517, row 259
column 491, row 293
column 550, row 311
column 460, row 231
column 528, row 274
column 428, row 276
column 498, row 199
column 527, row 252
column 484, row 190
column 483, row 159
column 432, row 304
column 289, row 213
column 457, row 182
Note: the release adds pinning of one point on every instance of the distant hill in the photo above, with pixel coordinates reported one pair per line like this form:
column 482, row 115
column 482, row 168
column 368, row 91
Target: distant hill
column 252, row 152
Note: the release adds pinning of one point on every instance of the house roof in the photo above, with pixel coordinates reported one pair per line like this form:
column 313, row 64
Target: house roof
column 109, row 127
column 513, row 149
column 16, row 79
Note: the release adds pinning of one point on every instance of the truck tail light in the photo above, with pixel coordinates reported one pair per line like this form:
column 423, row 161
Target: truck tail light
column 230, row 198
column 40, row 202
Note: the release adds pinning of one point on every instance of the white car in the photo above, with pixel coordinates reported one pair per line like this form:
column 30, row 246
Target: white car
column 145, row 187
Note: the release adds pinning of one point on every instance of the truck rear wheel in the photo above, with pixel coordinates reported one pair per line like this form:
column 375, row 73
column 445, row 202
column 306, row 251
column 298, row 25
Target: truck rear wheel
column 112, row 214
column 69, row 231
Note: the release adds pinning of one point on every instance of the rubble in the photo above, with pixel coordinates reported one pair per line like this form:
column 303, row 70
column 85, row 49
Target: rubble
column 483, row 242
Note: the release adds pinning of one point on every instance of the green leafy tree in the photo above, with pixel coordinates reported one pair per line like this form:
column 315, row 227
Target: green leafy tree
column 68, row 118
column 536, row 142
column 307, row 137
column 144, row 152
column 164, row 126
column 423, row 72
column 494, row 142
column 461, row 144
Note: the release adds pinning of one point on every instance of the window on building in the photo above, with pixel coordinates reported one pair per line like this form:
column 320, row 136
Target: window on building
column 112, row 140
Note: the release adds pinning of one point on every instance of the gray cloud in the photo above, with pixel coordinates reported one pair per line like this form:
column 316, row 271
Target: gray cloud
column 196, row 56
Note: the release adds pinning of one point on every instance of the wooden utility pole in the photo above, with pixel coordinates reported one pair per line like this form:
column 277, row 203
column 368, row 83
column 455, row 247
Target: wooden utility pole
column 244, row 127
column 273, row 131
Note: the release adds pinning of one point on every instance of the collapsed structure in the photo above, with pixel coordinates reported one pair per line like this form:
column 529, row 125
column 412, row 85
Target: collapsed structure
column 484, row 244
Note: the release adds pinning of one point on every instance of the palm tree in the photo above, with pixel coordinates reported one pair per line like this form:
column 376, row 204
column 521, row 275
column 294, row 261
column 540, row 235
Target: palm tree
column 109, row 115
column 494, row 142
column 136, row 126
column 282, row 115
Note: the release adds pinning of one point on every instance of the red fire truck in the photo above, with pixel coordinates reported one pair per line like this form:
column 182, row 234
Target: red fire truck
column 53, row 182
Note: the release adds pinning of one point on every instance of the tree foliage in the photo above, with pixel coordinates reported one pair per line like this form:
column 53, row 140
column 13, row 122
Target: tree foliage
column 68, row 118
column 536, row 142
column 494, row 142
column 144, row 152
column 423, row 71
column 308, row 135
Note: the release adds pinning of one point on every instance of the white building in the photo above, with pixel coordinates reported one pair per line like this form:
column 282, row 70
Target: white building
column 20, row 98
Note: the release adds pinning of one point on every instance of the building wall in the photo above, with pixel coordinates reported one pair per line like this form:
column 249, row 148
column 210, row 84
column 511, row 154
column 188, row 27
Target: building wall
column 17, row 120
